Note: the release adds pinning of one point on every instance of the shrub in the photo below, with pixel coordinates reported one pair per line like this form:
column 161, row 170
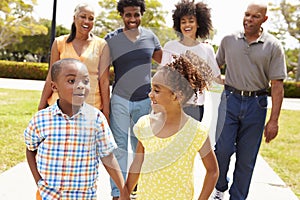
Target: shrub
column 292, row 89
column 38, row 71
column 23, row 70
column 29, row 70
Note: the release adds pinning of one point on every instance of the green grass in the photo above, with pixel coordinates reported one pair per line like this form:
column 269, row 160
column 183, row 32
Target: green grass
column 18, row 106
column 282, row 154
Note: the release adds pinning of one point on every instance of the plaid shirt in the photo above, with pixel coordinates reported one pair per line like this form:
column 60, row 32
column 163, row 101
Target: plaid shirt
column 69, row 150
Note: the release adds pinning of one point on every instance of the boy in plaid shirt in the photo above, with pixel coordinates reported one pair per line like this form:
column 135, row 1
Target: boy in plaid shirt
column 66, row 141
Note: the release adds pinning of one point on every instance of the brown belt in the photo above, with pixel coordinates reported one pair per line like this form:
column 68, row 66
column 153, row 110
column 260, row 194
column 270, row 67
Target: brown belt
column 246, row 93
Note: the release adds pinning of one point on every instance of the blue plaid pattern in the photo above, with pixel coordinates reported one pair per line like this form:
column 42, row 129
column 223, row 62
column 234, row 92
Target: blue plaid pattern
column 69, row 150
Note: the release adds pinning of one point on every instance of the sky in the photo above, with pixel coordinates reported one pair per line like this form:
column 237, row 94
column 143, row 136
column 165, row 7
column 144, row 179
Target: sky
column 227, row 16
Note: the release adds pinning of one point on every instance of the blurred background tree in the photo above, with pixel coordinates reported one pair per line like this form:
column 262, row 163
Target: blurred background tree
column 16, row 21
column 24, row 38
column 35, row 48
column 286, row 21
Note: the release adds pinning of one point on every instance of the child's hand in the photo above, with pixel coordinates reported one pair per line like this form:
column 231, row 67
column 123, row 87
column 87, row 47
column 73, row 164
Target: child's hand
column 124, row 194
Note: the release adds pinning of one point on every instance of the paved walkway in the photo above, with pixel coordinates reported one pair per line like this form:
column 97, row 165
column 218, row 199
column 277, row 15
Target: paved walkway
column 17, row 183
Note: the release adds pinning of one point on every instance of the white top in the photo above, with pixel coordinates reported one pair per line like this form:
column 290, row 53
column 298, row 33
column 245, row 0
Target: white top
column 203, row 50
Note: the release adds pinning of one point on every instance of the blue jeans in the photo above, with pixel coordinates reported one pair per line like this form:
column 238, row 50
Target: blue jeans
column 239, row 130
column 123, row 115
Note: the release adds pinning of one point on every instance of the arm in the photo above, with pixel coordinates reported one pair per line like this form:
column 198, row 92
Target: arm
column 30, row 155
column 277, row 93
column 135, row 168
column 104, row 80
column 212, row 173
column 157, row 55
column 47, row 90
column 112, row 167
column 212, row 62
column 219, row 80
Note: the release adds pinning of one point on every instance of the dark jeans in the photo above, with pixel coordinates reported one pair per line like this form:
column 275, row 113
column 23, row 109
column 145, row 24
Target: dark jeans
column 240, row 132
column 194, row 111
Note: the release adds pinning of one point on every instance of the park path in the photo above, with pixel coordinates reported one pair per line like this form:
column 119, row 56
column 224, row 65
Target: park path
column 17, row 183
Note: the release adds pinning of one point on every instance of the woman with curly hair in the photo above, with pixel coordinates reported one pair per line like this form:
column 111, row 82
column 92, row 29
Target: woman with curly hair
column 192, row 21
column 169, row 139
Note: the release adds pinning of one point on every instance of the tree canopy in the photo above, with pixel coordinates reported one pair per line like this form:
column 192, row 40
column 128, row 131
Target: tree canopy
column 16, row 21
column 287, row 13
column 38, row 44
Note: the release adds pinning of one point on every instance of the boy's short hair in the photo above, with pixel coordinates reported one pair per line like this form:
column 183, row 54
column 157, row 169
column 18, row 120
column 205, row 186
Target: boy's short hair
column 126, row 3
column 57, row 66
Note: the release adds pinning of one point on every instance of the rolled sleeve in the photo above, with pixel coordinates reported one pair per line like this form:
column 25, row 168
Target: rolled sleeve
column 32, row 135
column 105, row 140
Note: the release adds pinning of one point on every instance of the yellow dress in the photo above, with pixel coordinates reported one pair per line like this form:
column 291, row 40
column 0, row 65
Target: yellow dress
column 167, row 170
column 90, row 57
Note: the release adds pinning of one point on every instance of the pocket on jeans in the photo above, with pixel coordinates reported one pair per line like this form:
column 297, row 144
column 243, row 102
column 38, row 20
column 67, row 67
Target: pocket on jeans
column 226, row 94
column 262, row 102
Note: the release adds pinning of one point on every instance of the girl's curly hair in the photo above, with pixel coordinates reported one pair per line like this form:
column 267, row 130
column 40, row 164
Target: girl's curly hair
column 183, row 76
column 200, row 10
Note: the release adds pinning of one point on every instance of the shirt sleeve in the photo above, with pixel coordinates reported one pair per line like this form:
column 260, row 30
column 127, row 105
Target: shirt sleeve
column 105, row 140
column 142, row 129
column 200, row 140
column 220, row 56
column 278, row 64
column 166, row 57
column 156, row 43
column 168, row 52
column 32, row 134
column 212, row 61
column 205, row 148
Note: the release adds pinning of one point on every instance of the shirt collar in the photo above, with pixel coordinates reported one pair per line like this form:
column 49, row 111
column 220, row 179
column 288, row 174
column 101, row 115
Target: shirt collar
column 261, row 38
column 57, row 111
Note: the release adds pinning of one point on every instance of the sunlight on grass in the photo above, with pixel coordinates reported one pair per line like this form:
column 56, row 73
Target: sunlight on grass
column 282, row 154
column 18, row 106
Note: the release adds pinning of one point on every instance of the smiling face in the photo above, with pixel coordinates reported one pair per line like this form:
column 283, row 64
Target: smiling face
column 131, row 17
column 72, row 84
column 254, row 17
column 188, row 26
column 84, row 19
column 162, row 98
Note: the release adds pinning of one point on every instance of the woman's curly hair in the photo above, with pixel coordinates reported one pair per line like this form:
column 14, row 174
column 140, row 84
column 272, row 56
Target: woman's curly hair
column 200, row 10
column 183, row 76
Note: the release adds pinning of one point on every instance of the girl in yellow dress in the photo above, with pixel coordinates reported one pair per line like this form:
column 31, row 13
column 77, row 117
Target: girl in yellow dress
column 169, row 140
